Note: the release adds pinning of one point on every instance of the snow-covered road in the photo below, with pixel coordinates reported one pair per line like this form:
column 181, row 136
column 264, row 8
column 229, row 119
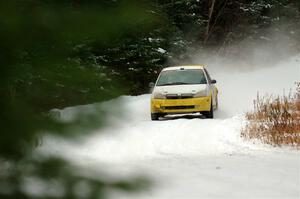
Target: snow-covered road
column 189, row 156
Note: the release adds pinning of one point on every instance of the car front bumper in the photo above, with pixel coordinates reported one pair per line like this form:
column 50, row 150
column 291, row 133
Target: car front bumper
column 173, row 106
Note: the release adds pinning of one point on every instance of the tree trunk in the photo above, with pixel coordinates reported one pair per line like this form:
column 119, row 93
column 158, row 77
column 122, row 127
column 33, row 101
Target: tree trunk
column 210, row 12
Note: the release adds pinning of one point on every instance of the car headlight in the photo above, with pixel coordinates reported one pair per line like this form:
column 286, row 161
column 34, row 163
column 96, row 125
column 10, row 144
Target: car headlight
column 202, row 93
column 157, row 95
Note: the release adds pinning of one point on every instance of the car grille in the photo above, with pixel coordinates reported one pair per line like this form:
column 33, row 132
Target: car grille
column 178, row 107
column 182, row 96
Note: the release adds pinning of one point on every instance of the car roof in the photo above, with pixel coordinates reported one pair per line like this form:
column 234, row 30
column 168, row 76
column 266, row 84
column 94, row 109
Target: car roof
column 184, row 67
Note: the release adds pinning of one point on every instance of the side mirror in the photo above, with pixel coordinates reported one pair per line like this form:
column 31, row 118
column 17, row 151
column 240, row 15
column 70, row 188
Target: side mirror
column 213, row 81
column 151, row 85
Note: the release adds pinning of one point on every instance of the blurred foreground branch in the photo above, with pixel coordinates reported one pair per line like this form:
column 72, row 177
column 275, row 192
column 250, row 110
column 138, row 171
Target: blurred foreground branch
column 40, row 71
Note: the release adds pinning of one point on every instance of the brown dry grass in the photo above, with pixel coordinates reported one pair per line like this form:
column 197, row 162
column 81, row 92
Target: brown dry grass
column 275, row 120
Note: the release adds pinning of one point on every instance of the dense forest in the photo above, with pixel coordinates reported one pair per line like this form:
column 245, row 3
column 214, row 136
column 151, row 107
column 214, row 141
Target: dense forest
column 59, row 53
column 95, row 50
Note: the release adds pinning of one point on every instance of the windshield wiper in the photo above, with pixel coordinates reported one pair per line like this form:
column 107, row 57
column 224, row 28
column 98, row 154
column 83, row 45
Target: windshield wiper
column 173, row 83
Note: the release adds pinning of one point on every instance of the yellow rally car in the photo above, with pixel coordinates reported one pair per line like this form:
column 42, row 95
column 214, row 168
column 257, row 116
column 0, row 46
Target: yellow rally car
column 184, row 89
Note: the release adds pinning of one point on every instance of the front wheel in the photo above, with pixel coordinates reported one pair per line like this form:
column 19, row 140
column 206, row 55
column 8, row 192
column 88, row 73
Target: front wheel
column 154, row 116
column 209, row 114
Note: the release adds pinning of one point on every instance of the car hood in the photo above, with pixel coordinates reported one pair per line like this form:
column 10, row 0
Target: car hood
column 180, row 89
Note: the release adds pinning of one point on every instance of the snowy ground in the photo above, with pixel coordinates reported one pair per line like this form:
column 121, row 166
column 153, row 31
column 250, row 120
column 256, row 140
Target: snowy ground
column 191, row 157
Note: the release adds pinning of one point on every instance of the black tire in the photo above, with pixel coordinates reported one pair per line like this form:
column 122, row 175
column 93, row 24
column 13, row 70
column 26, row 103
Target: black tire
column 154, row 116
column 209, row 114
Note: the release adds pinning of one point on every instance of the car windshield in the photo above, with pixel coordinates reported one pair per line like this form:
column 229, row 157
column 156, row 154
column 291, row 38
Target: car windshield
column 178, row 77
